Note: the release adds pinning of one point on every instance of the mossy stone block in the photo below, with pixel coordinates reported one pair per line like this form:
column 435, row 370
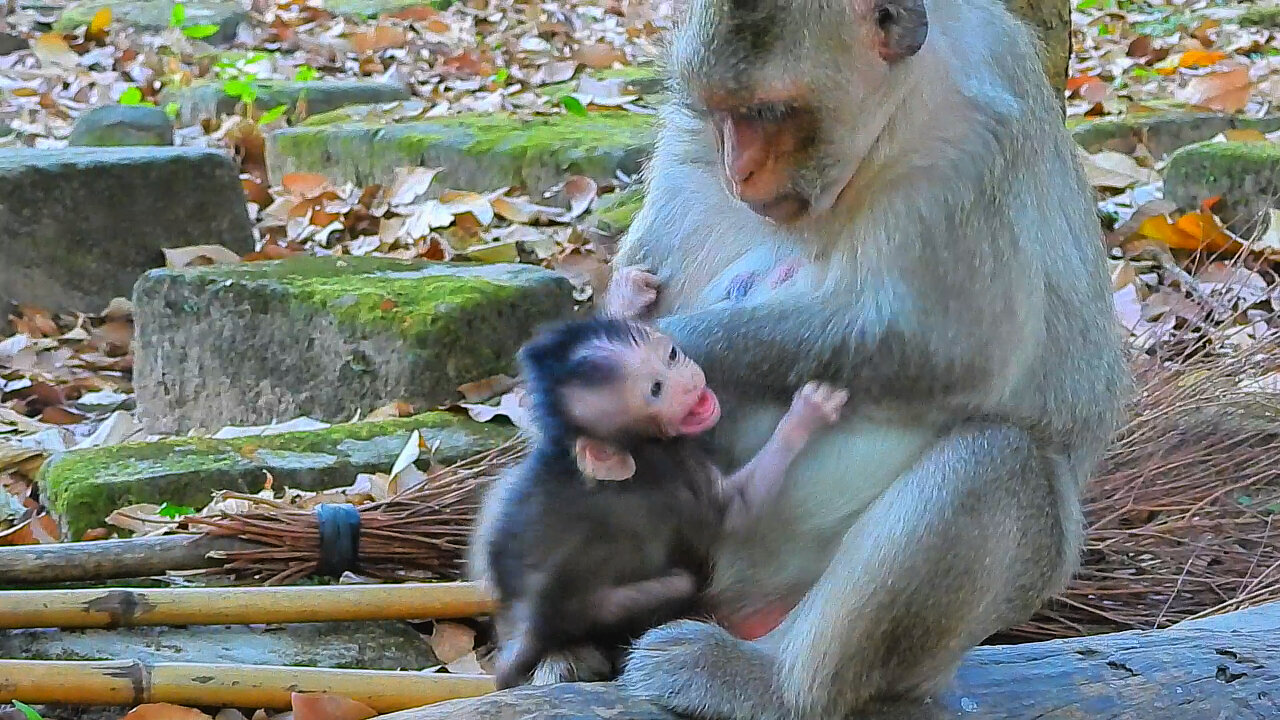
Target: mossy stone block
column 1163, row 129
column 82, row 487
column 1246, row 175
column 1265, row 16
column 376, row 8
column 477, row 151
column 643, row 79
column 155, row 15
column 122, row 126
column 79, row 225
column 327, row 337
column 209, row 100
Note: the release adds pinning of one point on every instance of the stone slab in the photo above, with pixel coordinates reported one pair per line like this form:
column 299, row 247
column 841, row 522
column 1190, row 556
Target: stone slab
column 82, row 487
column 122, row 126
column 478, row 152
column 1246, row 175
column 79, row 225
column 155, row 15
column 209, row 100
column 1163, row 131
column 327, row 337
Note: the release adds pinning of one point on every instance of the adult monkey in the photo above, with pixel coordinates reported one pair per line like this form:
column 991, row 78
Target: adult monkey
column 911, row 156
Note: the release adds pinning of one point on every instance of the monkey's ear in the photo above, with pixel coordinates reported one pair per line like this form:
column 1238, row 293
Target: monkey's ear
column 599, row 460
column 903, row 26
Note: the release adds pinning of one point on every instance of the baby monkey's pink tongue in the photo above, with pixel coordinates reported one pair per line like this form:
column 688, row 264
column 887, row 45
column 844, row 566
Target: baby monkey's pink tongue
column 704, row 414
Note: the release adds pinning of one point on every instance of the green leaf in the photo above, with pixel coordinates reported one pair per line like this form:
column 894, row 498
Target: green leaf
column 177, row 15
column 27, row 710
column 131, row 96
column 305, row 73
column 500, row 77
column 198, row 32
column 174, row 511
column 1245, row 500
column 172, row 110
column 573, row 105
column 242, row 90
column 273, row 114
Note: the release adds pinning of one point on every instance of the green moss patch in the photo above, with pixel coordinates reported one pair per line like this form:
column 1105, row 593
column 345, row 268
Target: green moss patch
column 209, row 99
column 82, row 487
column 1265, row 16
column 477, row 152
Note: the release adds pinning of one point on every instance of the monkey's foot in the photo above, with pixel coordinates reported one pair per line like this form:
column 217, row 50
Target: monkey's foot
column 699, row 669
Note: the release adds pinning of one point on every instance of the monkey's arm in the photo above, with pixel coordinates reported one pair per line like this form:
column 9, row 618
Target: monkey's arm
column 874, row 352
column 621, row 603
column 757, row 482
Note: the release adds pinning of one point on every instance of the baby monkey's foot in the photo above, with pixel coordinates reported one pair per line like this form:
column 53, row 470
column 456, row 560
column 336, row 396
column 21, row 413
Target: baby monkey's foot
column 816, row 405
column 632, row 292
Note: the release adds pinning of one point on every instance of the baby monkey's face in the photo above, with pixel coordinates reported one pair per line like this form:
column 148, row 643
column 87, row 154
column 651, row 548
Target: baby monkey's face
column 659, row 392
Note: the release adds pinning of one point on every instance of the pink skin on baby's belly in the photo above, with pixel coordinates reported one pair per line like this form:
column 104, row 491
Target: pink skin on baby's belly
column 757, row 623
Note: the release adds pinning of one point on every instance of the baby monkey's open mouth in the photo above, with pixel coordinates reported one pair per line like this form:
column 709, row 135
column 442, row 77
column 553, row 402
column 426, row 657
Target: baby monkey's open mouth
column 703, row 416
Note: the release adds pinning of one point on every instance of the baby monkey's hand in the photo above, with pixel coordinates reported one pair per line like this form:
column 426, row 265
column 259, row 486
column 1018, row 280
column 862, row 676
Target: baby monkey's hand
column 632, row 292
column 816, row 405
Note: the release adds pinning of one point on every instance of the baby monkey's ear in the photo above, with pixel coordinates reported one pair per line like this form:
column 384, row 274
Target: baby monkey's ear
column 599, row 460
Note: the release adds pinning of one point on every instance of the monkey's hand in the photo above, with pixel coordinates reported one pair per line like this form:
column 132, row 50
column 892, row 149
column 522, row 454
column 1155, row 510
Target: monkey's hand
column 815, row 406
column 632, row 292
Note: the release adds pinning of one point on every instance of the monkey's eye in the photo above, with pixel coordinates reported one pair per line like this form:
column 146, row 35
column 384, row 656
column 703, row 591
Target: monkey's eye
column 674, row 354
column 656, row 389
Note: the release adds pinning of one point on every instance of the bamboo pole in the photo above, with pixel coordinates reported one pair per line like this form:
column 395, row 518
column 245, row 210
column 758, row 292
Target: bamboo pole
column 126, row 607
column 132, row 682
column 112, row 559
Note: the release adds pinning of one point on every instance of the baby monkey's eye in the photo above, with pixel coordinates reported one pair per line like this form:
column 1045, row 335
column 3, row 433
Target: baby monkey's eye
column 655, row 389
column 674, row 354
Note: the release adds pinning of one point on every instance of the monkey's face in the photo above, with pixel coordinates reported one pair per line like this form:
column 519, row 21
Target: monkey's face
column 793, row 92
column 659, row 393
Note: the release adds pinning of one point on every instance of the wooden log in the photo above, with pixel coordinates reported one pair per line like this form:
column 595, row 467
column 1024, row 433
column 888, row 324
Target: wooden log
column 126, row 607
column 111, row 559
column 1224, row 668
column 132, row 682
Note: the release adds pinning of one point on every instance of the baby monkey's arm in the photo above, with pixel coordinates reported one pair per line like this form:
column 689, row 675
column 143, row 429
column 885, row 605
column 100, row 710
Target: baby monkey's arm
column 632, row 292
column 815, row 406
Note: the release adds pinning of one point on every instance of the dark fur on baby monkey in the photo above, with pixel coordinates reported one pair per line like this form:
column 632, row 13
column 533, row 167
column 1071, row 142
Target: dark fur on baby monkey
column 607, row 528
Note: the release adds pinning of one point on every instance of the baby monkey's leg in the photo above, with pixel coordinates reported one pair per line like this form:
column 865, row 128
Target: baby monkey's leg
column 815, row 406
column 665, row 595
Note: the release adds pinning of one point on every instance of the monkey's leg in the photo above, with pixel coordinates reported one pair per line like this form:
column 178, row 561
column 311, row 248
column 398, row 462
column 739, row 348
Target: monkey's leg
column 966, row 542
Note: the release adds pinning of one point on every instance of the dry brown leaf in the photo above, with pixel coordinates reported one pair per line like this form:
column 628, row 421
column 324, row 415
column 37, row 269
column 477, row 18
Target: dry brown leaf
column 196, row 255
column 599, row 55
column 489, row 387
column 229, row 714
column 1200, row 58
column 52, row 51
column 327, row 706
column 556, row 71
column 1244, row 135
column 306, row 185
column 411, row 184
column 165, row 711
column 39, row 530
column 581, row 192
column 468, row 664
column 1110, row 169
column 383, row 36
column 1226, row 91
column 451, row 641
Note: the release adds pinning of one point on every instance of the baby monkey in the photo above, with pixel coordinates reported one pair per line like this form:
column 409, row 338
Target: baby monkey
column 608, row 527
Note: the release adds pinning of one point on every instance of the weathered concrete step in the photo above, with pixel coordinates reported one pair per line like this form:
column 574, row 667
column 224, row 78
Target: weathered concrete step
column 82, row 487
column 1246, row 175
column 327, row 337
column 79, row 225
column 477, row 152
column 1163, row 129
column 122, row 126
column 210, row 99
column 156, row 15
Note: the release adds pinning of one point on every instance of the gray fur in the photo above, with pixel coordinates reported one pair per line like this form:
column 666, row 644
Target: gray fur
column 958, row 289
